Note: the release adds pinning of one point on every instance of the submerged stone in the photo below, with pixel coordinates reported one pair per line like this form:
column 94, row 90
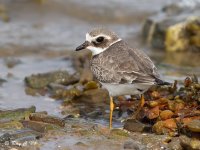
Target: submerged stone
column 47, row 119
column 119, row 132
column 11, row 62
column 59, row 77
column 40, row 126
column 17, row 114
column 188, row 143
column 20, row 138
column 11, row 125
column 135, row 126
column 94, row 96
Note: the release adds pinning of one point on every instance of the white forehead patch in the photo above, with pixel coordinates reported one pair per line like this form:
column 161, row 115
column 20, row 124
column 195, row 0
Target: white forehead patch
column 90, row 38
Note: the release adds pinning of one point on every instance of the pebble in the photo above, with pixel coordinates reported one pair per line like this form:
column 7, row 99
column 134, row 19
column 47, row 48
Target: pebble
column 194, row 126
column 135, row 145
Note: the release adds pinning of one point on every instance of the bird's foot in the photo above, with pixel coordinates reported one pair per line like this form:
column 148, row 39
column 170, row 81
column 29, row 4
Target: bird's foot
column 141, row 105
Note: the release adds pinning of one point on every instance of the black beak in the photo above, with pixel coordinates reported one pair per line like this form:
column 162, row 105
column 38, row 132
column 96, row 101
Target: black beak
column 83, row 46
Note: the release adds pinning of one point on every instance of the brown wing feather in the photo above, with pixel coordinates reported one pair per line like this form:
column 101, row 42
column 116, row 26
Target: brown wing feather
column 121, row 64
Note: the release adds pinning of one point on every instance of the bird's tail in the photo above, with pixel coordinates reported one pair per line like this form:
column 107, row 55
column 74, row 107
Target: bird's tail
column 161, row 82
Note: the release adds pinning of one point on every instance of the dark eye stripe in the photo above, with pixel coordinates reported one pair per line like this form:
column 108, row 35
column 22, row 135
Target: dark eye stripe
column 93, row 42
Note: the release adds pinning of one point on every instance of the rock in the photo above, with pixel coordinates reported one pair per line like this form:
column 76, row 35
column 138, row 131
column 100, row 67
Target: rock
column 178, row 105
column 153, row 103
column 70, row 111
column 11, row 62
column 20, row 138
column 81, row 144
column 47, row 119
column 119, row 132
column 94, row 114
column 189, row 144
column 171, row 105
column 11, row 125
column 153, row 113
column 17, row 114
column 86, row 76
column 66, row 94
column 172, row 9
column 2, row 81
column 94, row 96
column 170, row 125
column 163, row 100
column 40, row 126
column 5, row 137
column 164, row 127
column 91, row 85
column 135, row 145
column 81, row 60
column 187, row 120
column 155, row 95
column 4, row 13
column 166, row 114
column 26, row 133
column 175, row 144
column 175, row 31
column 135, row 126
column 154, row 142
column 35, row 92
column 158, row 128
column 59, row 77
column 194, row 126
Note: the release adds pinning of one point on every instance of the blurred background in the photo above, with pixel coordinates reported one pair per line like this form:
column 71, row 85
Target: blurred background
column 35, row 34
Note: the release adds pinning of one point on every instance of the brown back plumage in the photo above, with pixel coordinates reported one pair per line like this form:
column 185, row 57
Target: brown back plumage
column 121, row 64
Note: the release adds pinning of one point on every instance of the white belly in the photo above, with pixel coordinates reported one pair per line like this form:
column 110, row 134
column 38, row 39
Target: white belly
column 126, row 89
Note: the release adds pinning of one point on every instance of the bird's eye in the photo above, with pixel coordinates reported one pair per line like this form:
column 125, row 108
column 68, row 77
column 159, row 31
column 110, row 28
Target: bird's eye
column 100, row 39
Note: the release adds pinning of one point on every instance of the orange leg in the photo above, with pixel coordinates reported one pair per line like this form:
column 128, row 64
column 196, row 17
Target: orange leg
column 111, row 111
column 142, row 102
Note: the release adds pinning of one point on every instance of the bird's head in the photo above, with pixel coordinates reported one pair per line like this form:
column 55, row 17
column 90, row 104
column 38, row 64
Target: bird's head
column 98, row 40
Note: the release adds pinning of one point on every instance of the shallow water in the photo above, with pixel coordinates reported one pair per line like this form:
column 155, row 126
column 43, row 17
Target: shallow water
column 12, row 92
